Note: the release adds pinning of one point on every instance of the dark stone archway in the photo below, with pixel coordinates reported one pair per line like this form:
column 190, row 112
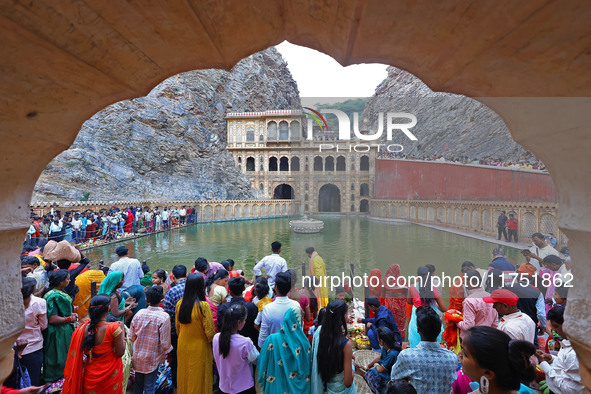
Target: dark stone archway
column 329, row 198
column 283, row 192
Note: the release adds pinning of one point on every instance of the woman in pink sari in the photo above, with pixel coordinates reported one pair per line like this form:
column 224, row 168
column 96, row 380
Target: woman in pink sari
column 395, row 297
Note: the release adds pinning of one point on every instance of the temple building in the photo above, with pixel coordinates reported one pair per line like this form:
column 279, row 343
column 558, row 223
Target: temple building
column 282, row 162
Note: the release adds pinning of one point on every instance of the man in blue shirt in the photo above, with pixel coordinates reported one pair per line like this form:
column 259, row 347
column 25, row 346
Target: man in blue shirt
column 179, row 273
column 430, row 369
column 383, row 318
column 500, row 262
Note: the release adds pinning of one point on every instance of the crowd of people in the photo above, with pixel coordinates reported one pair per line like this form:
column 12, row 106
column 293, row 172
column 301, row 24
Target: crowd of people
column 105, row 225
column 524, row 164
column 203, row 329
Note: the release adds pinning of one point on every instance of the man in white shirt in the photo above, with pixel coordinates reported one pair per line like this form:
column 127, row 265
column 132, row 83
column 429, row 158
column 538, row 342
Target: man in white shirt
column 516, row 324
column 183, row 215
column 273, row 264
column 540, row 250
column 55, row 231
column 165, row 218
column 76, row 227
column 562, row 370
column 271, row 317
column 131, row 268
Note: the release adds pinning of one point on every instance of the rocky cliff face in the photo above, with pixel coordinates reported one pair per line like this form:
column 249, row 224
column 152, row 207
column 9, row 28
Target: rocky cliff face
column 448, row 125
column 171, row 143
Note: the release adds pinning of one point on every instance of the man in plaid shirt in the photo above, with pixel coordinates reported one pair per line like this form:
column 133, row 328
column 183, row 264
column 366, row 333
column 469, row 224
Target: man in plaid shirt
column 179, row 274
column 150, row 334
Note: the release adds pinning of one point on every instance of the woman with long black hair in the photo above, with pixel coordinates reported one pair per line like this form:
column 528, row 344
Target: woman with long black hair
column 332, row 357
column 233, row 353
column 103, row 345
column 422, row 293
column 61, row 319
column 195, row 329
column 498, row 363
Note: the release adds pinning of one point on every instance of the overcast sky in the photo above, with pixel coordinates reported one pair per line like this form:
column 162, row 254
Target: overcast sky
column 320, row 76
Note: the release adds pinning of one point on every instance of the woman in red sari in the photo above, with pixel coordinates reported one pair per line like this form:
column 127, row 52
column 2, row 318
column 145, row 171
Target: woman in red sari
column 395, row 297
column 128, row 221
column 103, row 344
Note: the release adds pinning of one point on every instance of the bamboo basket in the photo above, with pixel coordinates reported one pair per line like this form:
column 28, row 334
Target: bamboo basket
column 364, row 357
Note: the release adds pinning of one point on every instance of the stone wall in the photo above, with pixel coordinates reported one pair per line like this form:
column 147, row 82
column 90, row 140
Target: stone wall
column 207, row 210
column 431, row 180
column 480, row 217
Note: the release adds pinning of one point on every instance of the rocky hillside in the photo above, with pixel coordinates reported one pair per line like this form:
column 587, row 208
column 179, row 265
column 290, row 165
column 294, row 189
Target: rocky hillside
column 448, row 125
column 171, row 143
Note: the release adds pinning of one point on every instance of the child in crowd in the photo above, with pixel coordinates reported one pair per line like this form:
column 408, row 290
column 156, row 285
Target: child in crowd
column 400, row 386
column 560, row 294
column 317, row 323
column 261, row 290
column 159, row 279
column 229, row 266
column 380, row 368
column 233, row 353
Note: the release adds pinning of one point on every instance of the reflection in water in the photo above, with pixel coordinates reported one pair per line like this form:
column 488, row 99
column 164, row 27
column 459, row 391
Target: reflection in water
column 369, row 244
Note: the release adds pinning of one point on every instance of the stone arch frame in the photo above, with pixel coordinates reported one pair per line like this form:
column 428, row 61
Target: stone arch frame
column 330, row 185
column 341, row 163
column 295, row 164
column 364, row 189
column 250, row 164
column 277, row 184
column 364, row 163
column 295, row 130
column 150, row 63
column 250, row 134
column 283, row 131
column 218, row 212
column 318, row 164
column 272, row 131
column 283, row 164
column 329, row 163
column 273, row 164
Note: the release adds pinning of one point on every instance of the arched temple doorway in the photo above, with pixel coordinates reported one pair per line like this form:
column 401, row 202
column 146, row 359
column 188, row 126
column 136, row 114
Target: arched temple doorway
column 329, row 198
column 284, row 192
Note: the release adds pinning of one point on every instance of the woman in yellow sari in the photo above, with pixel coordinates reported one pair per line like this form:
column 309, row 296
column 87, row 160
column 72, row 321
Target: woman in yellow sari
column 194, row 326
column 102, row 344
column 82, row 298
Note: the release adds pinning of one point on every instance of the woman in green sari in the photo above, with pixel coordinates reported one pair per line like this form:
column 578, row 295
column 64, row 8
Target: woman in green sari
column 61, row 319
column 284, row 362
column 109, row 286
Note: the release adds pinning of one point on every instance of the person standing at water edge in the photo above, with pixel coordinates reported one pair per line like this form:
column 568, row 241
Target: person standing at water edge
column 131, row 268
column 318, row 271
column 502, row 225
column 272, row 264
column 512, row 226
